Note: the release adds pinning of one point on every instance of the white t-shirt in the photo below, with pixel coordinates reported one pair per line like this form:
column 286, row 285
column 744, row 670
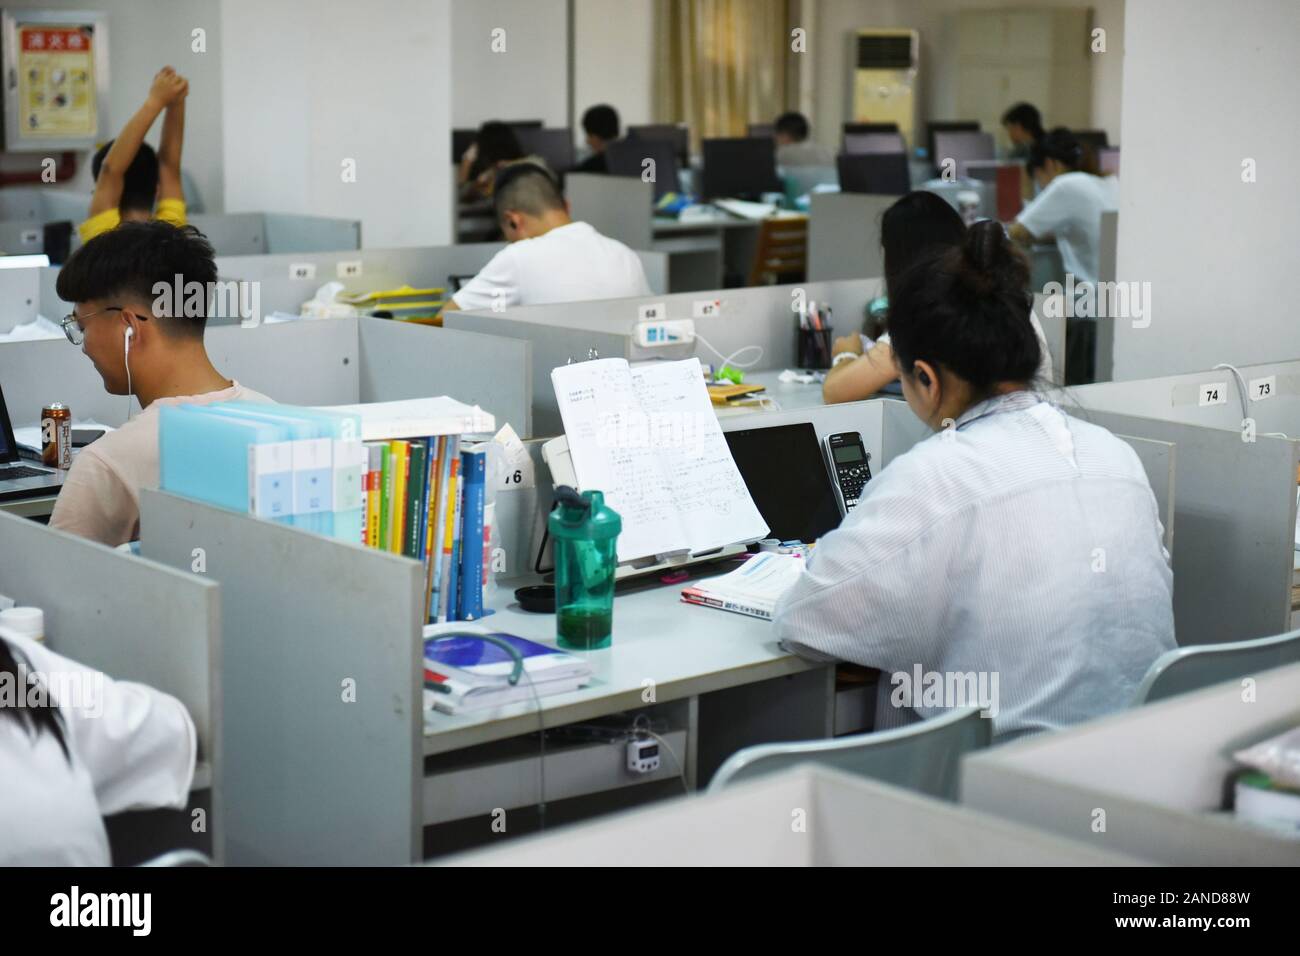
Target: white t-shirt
column 1044, row 373
column 571, row 263
column 129, row 746
column 1070, row 209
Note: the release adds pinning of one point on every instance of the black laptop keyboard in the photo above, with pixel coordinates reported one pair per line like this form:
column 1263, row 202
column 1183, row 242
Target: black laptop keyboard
column 21, row 471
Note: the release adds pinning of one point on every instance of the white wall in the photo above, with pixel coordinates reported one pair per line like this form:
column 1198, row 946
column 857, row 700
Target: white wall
column 613, row 43
column 143, row 37
column 370, row 82
column 837, row 20
column 1206, row 85
column 529, row 80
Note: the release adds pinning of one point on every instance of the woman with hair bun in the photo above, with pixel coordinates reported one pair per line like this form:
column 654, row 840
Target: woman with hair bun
column 1017, row 543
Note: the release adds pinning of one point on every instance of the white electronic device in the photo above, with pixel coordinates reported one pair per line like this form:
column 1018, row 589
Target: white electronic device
column 643, row 755
column 653, row 334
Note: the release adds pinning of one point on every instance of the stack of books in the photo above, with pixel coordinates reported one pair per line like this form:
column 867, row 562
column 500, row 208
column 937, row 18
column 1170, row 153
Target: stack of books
column 424, row 496
column 464, row 674
column 753, row 588
column 396, row 476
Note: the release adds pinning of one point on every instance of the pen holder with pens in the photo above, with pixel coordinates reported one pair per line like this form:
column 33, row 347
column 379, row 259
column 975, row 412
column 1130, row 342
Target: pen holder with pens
column 813, row 348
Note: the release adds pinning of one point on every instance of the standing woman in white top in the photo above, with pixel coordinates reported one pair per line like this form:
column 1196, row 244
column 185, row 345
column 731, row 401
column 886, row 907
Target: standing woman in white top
column 1016, row 554
column 1072, row 196
column 76, row 746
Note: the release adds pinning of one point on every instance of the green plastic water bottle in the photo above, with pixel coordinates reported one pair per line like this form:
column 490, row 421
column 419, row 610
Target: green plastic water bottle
column 585, row 533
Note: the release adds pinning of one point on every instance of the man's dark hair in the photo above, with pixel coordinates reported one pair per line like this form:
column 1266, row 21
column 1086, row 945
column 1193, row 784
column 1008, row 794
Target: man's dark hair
column 1064, row 147
column 1026, row 116
column 794, row 125
column 601, row 121
column 525, row 187
column 139, row 183
column 127, row 262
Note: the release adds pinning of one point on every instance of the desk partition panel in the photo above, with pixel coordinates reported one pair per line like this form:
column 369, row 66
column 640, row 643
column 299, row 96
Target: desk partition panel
column 321, row 692
column 131, row 618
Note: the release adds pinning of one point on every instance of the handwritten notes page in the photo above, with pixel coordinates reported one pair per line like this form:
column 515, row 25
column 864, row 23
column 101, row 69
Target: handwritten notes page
column 650, row 440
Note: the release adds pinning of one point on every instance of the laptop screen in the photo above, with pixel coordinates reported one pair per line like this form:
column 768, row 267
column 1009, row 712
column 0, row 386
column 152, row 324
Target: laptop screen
column 8, row 447
column 786, row 475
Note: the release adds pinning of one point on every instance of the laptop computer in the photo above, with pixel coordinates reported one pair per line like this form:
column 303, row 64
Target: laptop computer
column 19, row 479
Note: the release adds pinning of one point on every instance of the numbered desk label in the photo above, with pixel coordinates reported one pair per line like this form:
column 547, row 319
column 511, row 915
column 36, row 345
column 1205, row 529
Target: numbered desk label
column 351, row 269
column 704, row 308
column 30, row 237
column 1214, row 393
column 302, row 270
column 1262, row 388
column 652, row 312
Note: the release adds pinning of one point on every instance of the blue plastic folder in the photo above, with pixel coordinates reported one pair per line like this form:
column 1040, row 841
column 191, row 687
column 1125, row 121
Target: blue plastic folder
column 328, row 498
column 473, row 469
column 206, row 457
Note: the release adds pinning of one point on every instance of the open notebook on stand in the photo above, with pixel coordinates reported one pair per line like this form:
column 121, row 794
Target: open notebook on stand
column 649, row 439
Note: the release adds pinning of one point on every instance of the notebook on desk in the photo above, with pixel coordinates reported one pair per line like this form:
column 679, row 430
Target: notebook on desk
column 649, row 439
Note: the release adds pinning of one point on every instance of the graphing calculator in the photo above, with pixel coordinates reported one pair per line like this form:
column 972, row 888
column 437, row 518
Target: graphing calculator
column 851, row 466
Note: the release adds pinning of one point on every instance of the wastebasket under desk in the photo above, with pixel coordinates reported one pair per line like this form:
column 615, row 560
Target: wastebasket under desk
column 1158, row 773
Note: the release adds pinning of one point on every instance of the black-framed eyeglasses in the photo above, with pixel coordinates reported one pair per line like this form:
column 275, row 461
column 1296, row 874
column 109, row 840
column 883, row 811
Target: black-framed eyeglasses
column 75, row 333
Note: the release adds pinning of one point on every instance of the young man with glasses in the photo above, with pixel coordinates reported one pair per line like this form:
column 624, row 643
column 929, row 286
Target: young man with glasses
column 158, row 358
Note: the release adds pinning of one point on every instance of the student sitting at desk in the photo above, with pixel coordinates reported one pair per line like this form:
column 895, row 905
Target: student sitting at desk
column 70, row 759
column 912, row 228
column 600, row 123
column 1068, row 208
column 493, row 147
column 159, row 359
column 1017, row 542
column 1024, row 126
column 129, row 175
column 793, row 147
column 550, row 258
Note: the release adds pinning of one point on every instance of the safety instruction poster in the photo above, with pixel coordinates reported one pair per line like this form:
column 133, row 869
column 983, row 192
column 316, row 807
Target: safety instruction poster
column 56, row 81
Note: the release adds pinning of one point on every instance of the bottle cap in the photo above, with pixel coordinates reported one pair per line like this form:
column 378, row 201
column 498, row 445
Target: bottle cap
column 27, row 621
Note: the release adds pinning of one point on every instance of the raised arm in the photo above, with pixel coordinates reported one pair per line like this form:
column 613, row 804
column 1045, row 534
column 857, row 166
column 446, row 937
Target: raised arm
column 112, row 174
column 853, row 381
column 169, row 147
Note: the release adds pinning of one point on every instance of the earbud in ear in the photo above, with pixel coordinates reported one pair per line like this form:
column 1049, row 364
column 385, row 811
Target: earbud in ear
column 130, row 332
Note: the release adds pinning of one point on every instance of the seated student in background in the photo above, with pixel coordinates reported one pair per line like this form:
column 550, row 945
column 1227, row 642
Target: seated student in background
column 794, row 148
column 1016, row 542
column 92, row 747
column 130, row 176
column 911, row 229
column 550, row 258
column 1068, row 208
column 600, row 123
column 1024, row 126
column 493, row 147
column 159, row 359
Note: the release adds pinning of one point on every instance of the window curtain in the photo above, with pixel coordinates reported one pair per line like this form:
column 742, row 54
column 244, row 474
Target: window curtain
column 721, row 64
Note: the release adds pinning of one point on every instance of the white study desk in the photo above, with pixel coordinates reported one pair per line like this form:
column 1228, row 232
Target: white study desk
column 718, row 679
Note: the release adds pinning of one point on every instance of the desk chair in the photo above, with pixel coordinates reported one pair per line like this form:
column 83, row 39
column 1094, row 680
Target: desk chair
column 1191, row 668
column 782, row 251
column 924, row 757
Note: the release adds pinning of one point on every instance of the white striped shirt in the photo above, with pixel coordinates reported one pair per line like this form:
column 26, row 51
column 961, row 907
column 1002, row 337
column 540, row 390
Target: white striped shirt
column 1020, row 543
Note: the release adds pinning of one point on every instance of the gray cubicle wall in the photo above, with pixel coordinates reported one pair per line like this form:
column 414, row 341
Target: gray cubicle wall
column 320, row 362
column 21, row 238
column 844, row 236
column 399, row 360
column 134, row 620
column 1235, row 499
column 761, row 316
column 254, row 233
column 1156, row 776
column 321, row 697
column 620, row 207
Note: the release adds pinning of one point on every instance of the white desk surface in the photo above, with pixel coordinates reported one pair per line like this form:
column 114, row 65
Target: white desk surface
column 788, row 395
column 685, row 649
column 662, row 225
